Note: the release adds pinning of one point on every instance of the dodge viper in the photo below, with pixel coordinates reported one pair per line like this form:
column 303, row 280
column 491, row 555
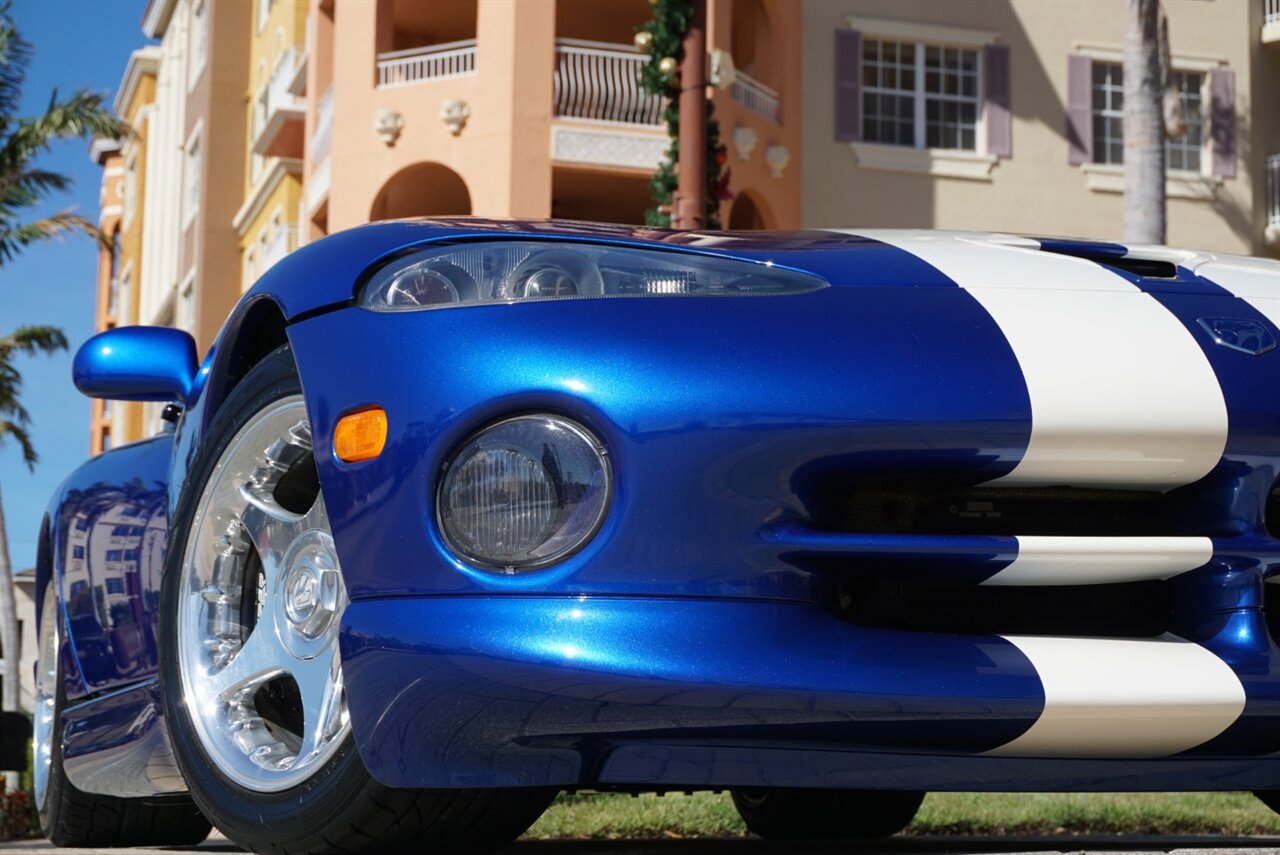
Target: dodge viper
column 459, row 514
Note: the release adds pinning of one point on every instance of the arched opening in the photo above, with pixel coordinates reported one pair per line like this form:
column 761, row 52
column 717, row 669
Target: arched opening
column 749, row 213
column 422, row 190
column 600, row 197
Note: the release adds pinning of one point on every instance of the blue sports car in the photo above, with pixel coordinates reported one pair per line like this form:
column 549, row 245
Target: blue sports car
column 458, row 514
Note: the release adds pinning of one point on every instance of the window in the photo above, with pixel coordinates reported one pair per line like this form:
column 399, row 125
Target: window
column 924, row 96
column 248, row 270
column 115, row 555
column 191, row 197
column 77, row 552
column 199, row 41
column 186, row 306
column 1108, row 113
column 1108, row 118
column 1184, row 152
column 130, row 202
column 115, row 585
column 106, row 439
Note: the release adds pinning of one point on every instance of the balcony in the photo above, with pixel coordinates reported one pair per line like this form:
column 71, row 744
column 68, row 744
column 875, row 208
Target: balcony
column 1273, row 202
column 1271, row 23
column 757, row 97
column 598, row 84
column 426, row 64
column 279, row 115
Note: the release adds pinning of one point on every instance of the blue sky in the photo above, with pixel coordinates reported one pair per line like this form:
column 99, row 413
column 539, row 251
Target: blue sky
column 77, row 43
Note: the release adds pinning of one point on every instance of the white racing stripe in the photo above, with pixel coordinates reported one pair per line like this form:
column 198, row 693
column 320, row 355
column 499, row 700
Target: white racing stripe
column 1125, row 698
column 1121, row 393
column 1254, row 280
column 1044, row 560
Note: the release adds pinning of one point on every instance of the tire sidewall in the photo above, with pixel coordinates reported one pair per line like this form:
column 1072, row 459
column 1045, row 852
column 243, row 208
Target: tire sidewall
column 296, row 811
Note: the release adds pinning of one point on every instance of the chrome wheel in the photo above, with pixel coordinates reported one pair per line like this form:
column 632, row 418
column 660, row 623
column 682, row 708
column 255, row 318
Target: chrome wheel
column 260, row 599
column 46, row 694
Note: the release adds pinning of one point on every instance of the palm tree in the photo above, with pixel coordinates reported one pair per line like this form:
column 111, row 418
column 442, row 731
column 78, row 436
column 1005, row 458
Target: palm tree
column 23, row 187
column 1152, row 112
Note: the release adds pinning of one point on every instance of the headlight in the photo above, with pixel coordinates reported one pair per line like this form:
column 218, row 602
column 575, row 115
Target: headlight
column 523, row 493
column 462, row 274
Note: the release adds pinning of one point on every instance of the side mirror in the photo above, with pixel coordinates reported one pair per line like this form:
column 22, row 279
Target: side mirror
column 136, row 364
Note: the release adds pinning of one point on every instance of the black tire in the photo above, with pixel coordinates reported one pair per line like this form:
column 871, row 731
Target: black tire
column 340, row 808
column 71, row 817
column 786, row 814
column 1270, row 798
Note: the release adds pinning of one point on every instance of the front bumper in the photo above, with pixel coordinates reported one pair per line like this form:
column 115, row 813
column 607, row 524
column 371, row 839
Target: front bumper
column 630, row 693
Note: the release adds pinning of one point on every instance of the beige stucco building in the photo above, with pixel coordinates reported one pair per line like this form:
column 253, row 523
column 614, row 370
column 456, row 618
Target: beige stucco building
column 1009, row 118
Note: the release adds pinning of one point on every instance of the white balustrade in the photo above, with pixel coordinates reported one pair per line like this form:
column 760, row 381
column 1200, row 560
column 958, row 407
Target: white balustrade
column 755, row 96
column 425, row 64
column 600, row 82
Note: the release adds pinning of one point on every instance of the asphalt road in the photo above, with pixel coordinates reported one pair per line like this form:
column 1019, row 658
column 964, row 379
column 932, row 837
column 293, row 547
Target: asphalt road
column 1133, row 845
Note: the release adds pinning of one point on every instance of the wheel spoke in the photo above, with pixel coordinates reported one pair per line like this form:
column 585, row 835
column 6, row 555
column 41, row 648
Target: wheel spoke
column 320, row 685
column 271, row 529
column 260, row 659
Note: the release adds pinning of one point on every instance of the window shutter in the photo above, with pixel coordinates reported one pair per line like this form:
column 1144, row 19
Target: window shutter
column 999, row 123
column 848, row 85
column 1079, row 110
column 1222, row 113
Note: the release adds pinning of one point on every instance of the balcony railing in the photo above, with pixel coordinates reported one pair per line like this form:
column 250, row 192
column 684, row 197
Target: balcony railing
column 755, row 96
column 279, row 114
column 600, row 82
column 1273, row 191
column 1271, row 11
column 423, row 64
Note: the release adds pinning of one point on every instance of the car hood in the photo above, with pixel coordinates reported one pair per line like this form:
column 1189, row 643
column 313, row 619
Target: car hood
column 329, row 271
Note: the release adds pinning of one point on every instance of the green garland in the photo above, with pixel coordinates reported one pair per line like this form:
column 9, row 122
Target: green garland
column 661, row 76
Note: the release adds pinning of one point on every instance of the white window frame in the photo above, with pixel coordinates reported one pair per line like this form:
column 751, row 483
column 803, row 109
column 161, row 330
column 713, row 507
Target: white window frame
column 919, row 95
column 198, row 42
column 184, row 315
column 1179, row 184
column 192, row 162
column 973, row 164
column 263, row 12
column 129, row 190
column 250, row 262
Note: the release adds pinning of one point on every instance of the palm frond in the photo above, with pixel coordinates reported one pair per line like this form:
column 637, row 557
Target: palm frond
column 18, row 433
column 32, row 339
column 15, row 54
column 15, row 238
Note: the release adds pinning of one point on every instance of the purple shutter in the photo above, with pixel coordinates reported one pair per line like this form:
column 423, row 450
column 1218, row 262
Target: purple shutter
column 1079, row 109
column 848, row 85
column 1222, row 112
column 999, row 127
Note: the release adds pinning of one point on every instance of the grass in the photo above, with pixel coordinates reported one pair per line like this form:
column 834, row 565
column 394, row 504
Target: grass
column 608, row 816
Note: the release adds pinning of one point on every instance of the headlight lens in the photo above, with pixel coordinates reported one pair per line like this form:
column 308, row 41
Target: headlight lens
column 523, row 493
column 472, row 273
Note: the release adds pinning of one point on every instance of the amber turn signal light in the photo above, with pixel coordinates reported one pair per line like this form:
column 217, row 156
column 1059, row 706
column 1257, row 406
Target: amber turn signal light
column 360, row 435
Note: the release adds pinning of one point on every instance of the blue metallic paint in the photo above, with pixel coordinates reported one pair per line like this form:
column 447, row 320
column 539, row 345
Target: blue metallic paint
column 511, row 691
column 136, row 364
column 671, row 387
